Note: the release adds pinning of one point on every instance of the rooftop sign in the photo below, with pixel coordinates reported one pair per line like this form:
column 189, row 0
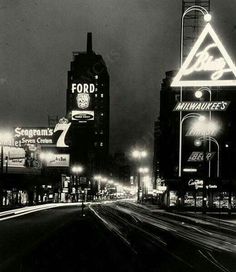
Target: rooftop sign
column 208, row 64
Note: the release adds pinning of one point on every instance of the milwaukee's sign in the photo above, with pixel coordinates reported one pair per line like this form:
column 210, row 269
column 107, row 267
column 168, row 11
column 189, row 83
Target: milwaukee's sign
column 208, row 64
column 202, row 106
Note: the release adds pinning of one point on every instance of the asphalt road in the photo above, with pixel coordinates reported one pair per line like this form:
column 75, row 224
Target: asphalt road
column 115, row 236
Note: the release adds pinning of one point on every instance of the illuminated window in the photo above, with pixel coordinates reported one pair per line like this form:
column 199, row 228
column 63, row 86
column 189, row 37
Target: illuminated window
column 96, row 95
column 101, row 144
column 102, row 114
column 101, row 95
column 96, row 77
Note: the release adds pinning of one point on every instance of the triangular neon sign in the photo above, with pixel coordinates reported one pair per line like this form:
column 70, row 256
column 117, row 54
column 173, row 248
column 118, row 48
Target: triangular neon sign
column 203, row 69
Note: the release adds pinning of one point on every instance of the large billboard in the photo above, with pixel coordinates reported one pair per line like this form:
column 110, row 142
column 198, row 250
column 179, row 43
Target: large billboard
column 26, row 136
column 81, row 98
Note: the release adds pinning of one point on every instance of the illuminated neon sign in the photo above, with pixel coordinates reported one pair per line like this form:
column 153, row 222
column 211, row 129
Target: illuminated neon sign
column 199, row 156
column 202, row 106
column 25, row 136
column 83, row 88
column 208, row 64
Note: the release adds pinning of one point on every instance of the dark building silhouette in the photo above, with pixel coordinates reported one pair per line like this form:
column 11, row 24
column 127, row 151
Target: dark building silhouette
column 88, row 110
column 120, row 167
column 156, row 154
column 166, row 132
column 166, row 139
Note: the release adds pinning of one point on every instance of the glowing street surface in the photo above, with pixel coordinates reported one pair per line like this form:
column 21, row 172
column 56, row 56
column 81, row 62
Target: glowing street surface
column 113, row 236
column 177, row 241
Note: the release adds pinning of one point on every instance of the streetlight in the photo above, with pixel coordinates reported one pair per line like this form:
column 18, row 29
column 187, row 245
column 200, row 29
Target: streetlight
column 5, row 139
column 187, row 116
column 142, row 171
column 198, row 94
column 198, row 142
column 100, row 179
column 77, row 169
column 207, row 18
column 139, row 155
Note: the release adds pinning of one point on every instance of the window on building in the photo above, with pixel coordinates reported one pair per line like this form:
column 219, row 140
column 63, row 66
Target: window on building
column 101, row 144
column 101, row 95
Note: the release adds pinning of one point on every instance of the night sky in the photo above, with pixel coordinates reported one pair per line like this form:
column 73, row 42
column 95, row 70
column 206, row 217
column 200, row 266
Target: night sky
column 138, row 39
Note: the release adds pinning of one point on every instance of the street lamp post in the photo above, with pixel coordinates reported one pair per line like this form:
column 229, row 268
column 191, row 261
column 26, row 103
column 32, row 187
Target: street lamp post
column 5, row 140
column 98, row 178
column 139, row 155
column 187, row 116
column 142, row 171
column 212, row 139
column 198, row 143
column 77, row 170
column 198, row 94
column 207, row 18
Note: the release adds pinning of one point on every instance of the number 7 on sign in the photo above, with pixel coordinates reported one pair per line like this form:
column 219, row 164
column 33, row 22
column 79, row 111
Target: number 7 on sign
column 64, row 128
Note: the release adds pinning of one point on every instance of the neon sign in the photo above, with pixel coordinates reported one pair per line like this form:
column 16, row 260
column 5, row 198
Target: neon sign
column 83, row 88
column 199, row 156
column 202, row 106
column 64, row 127
column 208, row 64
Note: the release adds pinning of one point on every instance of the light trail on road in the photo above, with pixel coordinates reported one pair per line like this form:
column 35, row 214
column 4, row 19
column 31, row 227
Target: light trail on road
column 204, row 241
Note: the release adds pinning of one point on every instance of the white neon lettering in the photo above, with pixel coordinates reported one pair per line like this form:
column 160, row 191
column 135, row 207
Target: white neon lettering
column 64, row 128
column 201, row 61
column 82, row 88
column 73, row 87
column 206, row 62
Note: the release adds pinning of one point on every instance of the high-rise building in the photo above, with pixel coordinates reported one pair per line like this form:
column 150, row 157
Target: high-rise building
column 88, row 110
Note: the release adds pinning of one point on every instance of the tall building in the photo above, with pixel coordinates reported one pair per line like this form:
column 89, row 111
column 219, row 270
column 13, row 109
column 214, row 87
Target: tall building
column 88, row 110
column 188, row 173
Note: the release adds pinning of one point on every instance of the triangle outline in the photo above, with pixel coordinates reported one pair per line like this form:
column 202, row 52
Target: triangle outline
column 201, row 83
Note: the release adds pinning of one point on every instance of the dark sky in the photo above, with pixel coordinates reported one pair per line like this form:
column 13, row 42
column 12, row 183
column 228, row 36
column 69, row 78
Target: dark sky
column 139, row 40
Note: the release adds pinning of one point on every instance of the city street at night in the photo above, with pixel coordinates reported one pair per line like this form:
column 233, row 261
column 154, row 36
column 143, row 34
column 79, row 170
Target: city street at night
column 115, row 235
column 117, row 136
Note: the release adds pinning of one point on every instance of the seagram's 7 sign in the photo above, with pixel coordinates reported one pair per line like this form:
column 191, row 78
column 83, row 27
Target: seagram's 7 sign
column 64, row 129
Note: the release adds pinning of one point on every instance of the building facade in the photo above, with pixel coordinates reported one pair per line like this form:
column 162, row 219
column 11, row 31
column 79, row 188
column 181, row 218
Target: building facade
column 88, row 110
column 221, row 176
